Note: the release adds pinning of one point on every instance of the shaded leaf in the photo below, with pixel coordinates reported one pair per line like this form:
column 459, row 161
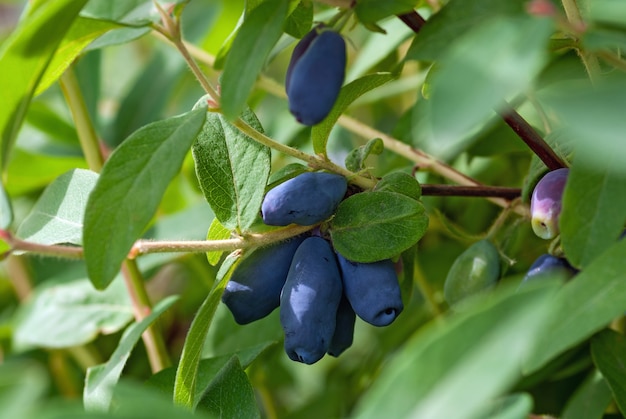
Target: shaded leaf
column 102, row 379
column 355, row 160
column 373, row 226
column 300, row 19
column 130, row 188
column 400, row 182
column 57, row 217
column 370, row 11
column 232, row 170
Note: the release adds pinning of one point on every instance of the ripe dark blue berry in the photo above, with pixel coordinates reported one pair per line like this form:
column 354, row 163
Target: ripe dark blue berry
column 306, row 199
column 309, row 301
column 372, row 289
column 545, row 203
column 254, row 288
column 316, row 77
column 344, row 328
column 549, row 266
column 299, row 50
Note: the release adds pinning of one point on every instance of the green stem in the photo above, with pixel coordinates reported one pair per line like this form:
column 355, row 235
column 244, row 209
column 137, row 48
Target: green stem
column 589, row 60
column 153, row 340
column 426, row 290
column 84, row 127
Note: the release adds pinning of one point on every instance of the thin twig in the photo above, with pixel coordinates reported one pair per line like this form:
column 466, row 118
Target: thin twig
column 472, row 191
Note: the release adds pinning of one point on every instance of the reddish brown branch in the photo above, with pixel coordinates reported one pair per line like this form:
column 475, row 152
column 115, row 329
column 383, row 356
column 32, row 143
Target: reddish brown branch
column 514, row 120
column 532, row 139
column 473, row 191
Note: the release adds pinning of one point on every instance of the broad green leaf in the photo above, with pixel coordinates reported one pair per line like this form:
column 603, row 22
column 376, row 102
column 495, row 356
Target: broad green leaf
column 130, row 188
column 66, row 313
column 591, row 116
column 24, row 58
column 464, row 91
column 81, row 33
column 593, row 214
column 590, row 400
column 232, row 170
column 230, row 393
column 348, row 94
column 454, row 20
column 185, row 384
column 608, row 349
column 285, row 173
column 370, row 11
column 118, row 36
column 252, row 44
column 355, row 160
column 441, row 371
column 216, row 232
column 101, row 379
column 58, row 129
column 584, row 305
column 57, row 217
column 400, row 182
column 601, row 39
column 373, row 226
column 299, row 19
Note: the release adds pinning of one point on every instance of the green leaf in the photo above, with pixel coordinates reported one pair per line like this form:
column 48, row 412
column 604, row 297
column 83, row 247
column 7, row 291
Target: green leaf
column 130, row 188
column 22, row 385
column 464, row 92
column 373, row 226
column 216, row 232
column 608, row 11
column 208, row 369
column 185, row 385
column 584, row 306
column 285, row 173
column 591, row 116
column 370, row 11
column 400, row 182
column 443, row 367
column 230, row 393
column 355, row 160
column 101, row 379
column 348, row 94
column 608, row 349
column 127, row 12
column 81, row 33
column 251, row 47
column 300, row 19
column 455, row 19
column 593, row 214
column 513, row 406
column 232, row 170
column 63, row 313
column 590, row 399
column 24, row 57
column 57, row 217
column 6, row 209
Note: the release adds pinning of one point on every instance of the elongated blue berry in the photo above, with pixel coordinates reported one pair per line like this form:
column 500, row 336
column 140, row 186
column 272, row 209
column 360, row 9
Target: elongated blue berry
column 316, row 78
column 254, row 288
column 309, row 301
column 545, row 203
column 306, row 199
column 372, row 289
column 299, row 50
column 344, row 328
